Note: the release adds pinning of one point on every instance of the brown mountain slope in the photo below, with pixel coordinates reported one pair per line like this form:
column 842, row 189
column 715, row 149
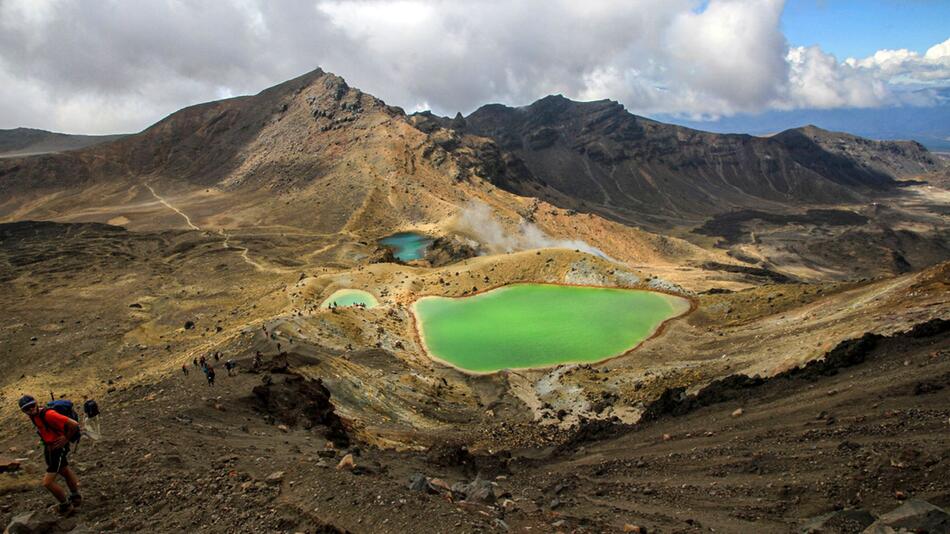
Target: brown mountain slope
column 309, row 156
column 596, row 156
column 589, row 155
column 312, row 138
column 317, row 156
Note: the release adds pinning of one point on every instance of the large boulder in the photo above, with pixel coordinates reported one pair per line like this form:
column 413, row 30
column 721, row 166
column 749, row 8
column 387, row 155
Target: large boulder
column 840, row 521
column 42, row 522
column 477, row 490
column 915, row 515
column 299, row 400
column 418, row 482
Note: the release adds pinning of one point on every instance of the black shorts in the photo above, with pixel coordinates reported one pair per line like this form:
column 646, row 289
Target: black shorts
column 56, row 459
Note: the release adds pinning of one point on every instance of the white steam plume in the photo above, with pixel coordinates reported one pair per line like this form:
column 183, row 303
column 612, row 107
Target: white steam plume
column 476, row 221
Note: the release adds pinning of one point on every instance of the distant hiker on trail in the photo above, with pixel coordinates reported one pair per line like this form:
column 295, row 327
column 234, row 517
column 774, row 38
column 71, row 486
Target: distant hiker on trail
column 258, row 361
column 230, row 365
column 203, row 363
column 278, row 346
column 184, row 368
column 209, row 372
column 217, row 356
column 56, row 431
column 195, row 362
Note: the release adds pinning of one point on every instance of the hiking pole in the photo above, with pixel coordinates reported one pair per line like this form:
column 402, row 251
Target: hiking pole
column 76, row 450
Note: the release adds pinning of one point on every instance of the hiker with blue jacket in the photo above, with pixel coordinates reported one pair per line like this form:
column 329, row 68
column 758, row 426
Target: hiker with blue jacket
column 56, row 431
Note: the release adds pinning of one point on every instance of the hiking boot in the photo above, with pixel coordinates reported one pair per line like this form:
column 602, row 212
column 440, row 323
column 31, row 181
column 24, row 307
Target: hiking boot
column 75, row 499
column 64, row 508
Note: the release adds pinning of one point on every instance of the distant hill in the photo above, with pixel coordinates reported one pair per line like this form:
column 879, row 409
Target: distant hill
column 596, row 156
column 30, row 142
column 929, row 125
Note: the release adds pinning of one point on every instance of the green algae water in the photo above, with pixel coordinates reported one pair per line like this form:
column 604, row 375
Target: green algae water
column 350, row 297
column 540, row 325
column 407, row 246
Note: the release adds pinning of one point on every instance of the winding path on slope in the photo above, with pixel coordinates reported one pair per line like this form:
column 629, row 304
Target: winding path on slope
column 173, row 208
column 245, row 257
column 225, row 235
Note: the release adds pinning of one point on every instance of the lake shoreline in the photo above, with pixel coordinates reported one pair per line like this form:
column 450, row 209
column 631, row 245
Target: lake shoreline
column 351, row 293
column 683, row 305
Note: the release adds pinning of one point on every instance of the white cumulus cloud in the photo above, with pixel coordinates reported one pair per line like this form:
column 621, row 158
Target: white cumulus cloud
column 906, row 66
column 102, row 67
column 818, row 80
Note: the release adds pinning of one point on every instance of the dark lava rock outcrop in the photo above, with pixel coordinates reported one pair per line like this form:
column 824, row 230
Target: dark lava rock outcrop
column 446, row 250
column 915, row 515
column 297, row 400
column 759, row 272
column 848, row 353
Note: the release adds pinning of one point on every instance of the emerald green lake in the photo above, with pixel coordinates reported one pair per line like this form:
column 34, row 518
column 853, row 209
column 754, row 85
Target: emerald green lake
column 350, row 297
column 540, row 325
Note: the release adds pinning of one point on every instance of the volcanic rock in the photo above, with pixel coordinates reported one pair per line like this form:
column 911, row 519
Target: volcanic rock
column 42, row 522
column 297, row 400
column 915, row 515
column 477, row 490
column 839, row 521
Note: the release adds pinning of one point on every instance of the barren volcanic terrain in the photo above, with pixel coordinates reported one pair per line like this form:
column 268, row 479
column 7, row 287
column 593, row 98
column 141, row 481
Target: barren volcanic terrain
column 810, row 375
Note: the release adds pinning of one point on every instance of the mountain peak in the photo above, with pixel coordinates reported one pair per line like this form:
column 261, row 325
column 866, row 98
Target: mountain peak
column 561, row 100
column 552, row 99
column 317, row 79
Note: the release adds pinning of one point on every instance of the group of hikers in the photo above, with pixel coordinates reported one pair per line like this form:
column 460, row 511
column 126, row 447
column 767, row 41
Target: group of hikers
column 208, row 369
column 333, row 306
column 58, row 426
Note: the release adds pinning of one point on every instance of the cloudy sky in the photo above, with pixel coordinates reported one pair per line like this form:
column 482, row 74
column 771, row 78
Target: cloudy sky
column 118, row 66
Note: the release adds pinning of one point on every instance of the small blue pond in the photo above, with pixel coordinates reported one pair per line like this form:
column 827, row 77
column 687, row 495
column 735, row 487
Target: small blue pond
column 407, row 246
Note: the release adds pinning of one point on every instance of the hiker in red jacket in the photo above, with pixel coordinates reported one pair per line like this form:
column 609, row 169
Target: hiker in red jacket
column 55, row 430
